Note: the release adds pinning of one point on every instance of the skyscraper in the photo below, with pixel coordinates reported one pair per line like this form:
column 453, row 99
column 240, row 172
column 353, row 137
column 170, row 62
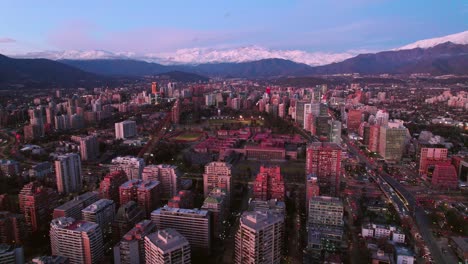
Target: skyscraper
column 259, row 238
column 167, row 175
column 269, row 184
column 89, row 148
column 101, row 212
column 312, row 187
column 154, row 87
column 132, row 166
column 79, row 241
column 193, row 224
column 36, row 204
column 12, row 228
column 216, row 204
column 109, row 186
column 144, row 193
column 324, row 161
column 131, row 248
column 127, row 216
column 392, row 142
column 175, row 112
column 167, row 246
column 125, row 129
column 68, row 173
column 381, row 118
column 354, row 120
column 217, row 174
column 73, row 207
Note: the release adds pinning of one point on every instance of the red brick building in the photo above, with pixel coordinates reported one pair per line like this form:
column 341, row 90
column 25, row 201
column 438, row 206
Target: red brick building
column 444, row 176
column 145, row 193
column 323, row 159
column 354, row 120
column 269, row 184
column 109, row 187
column 312, row 187
column 36, row 204
column 431, row 157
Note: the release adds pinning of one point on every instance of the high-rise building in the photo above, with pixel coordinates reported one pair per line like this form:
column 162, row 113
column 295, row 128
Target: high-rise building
column 299, row 112
column 269, row 184
column 144, row 193
column 444, row 176
column 167, row 175
column 12, row 228
column 101, row 212
column 73, row 207
column 36, row 204
column 259, row 238
column 167, row 246
column 392, row 142
column 79, row 241
column 335, row 135
column 325, row 226
column 175, row 112
column 10, row 254
column 354, row 120
column 217, row 175
column 381, row 118
column 132, row 166
column 216, row 204
column 431, row 157
column 325, row 210
column 131, row 248
column 68, row 173
column 89, row 148
column 125, row 129
column 272, row 205
column 312, row 187
column 127, row 216
column 109, row 186
column 323, row 128
column 324, row 161
column 154, row 88
column 193, row 224
column 374, row 138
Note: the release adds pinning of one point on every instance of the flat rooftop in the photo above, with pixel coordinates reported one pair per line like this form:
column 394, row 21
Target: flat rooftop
column 179, row 211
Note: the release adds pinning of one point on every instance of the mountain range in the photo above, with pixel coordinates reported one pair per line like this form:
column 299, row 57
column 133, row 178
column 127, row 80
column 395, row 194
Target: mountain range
column 195, row 56
column 427, row 56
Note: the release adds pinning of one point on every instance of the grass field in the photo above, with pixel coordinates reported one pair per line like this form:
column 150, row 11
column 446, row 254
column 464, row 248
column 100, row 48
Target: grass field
column 188, row 136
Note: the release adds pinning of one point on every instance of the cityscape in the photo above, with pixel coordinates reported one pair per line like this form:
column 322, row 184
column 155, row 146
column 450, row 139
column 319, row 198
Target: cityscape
column 234, row 154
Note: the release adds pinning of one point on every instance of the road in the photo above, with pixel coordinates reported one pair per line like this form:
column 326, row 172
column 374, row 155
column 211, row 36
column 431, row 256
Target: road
column 409, row 200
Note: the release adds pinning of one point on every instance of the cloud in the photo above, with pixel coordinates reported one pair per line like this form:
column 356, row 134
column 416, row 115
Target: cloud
column 7, row 40
column 86, row 36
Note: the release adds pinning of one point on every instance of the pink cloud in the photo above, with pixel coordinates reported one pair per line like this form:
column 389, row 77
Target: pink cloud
column 7, row 40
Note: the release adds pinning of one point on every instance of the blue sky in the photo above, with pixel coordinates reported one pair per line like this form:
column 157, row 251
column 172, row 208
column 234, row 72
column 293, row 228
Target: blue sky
column 165, row 26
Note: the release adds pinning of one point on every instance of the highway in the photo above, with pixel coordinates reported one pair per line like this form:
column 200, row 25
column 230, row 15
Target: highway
column 409, row 201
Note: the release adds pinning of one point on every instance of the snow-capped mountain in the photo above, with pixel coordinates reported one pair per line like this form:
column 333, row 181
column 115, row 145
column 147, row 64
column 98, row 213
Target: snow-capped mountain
column 76, row 55
column 201, row 55
column 195, row 56
column 458, row 38
column 249, row 53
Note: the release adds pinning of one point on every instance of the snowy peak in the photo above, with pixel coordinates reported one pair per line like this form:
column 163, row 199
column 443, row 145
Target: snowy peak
column 458, row 38
column 249, row 53
column 196, row 56
column 76, row 55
